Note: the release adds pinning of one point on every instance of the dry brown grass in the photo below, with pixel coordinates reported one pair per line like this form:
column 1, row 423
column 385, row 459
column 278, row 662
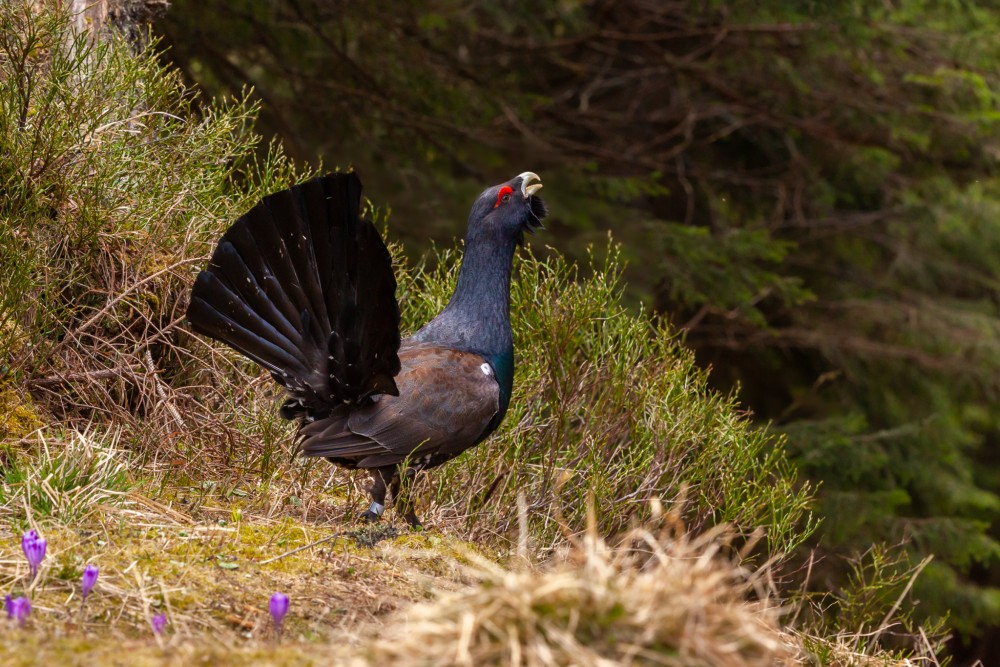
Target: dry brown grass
column 654, row 597
column 209, row 559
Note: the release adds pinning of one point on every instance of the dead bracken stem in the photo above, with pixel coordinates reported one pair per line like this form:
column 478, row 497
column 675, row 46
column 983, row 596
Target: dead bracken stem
column 161, row 390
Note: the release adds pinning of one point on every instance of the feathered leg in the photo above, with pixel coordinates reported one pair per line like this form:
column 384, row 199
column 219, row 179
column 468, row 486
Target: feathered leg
column 401, row 500
column 377, row 491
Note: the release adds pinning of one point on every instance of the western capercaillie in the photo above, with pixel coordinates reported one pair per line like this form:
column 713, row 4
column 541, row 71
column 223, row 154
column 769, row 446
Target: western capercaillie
column 304, row 287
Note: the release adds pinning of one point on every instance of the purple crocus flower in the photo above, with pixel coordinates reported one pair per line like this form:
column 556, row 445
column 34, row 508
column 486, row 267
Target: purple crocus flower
column 89, row 579
column 158, row 622
column 8, row 606
column 18, row 609
column 278, row 608
column 33, row 547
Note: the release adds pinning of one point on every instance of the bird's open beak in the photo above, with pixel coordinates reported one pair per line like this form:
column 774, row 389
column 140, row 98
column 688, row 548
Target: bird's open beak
column 527, row 187
column 537, row 209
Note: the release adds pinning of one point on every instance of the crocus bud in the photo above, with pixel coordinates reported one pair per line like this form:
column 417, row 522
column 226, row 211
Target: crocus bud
column 278, row 608
column 158, row 622
column 18, row 609
column 89, row 579
column 33, row 547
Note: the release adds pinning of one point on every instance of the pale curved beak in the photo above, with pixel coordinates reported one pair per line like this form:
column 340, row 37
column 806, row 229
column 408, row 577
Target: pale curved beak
column 527, row 187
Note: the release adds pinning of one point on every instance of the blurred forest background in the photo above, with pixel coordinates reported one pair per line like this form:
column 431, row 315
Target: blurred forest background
column 808, row 190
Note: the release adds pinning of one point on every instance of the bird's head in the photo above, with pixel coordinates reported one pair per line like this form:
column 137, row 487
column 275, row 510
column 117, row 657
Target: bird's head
column 509, row 209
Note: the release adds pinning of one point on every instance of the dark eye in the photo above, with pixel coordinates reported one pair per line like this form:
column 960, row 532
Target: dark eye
column 504, row 195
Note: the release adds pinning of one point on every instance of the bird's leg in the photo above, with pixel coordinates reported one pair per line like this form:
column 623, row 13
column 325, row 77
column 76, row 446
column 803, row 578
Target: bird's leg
column 402, row 502
column 377, row 492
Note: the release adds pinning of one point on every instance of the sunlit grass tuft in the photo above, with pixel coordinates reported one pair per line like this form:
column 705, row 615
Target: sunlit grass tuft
column 64, row 478
column 646, row 598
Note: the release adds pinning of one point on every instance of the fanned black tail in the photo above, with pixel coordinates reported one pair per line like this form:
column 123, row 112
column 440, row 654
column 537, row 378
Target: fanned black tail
column 304, row 287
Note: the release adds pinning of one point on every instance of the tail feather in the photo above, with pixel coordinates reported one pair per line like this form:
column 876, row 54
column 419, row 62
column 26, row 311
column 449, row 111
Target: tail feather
column 296, row 236
column 245, row 340
column 253, row 255
column 230, row 307
column 264, row 230
column 304, row 287
column 380, row 291
column 237, row 276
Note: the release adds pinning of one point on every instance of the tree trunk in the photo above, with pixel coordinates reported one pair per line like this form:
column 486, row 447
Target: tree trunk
column 130, row 17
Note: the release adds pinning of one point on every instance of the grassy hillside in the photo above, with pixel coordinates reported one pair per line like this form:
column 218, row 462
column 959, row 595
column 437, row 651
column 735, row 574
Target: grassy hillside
column 131, row 444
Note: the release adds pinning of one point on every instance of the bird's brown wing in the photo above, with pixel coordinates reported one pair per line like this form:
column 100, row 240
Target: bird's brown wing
column 446, row 401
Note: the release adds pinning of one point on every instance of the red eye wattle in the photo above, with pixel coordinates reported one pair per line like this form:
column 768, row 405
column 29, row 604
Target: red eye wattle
column 504, row 195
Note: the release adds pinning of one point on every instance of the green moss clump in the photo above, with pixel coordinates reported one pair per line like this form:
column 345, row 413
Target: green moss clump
column 18, row 417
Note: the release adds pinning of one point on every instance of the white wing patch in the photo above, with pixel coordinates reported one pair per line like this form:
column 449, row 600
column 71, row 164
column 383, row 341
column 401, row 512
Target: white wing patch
column 487, row 371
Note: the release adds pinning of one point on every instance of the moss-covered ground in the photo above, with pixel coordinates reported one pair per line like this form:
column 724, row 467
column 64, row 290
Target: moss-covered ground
column 211, row 570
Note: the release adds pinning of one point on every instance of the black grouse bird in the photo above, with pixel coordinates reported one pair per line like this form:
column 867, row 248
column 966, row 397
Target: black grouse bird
column 304, row 287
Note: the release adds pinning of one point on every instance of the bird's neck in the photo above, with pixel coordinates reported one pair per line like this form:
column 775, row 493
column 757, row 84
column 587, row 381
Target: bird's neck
column 477, row 318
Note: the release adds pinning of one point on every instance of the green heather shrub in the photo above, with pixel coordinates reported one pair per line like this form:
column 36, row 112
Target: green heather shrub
column 610, row 407
column 111, row 186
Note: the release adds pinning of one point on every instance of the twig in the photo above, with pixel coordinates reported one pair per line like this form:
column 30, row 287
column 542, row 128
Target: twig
column 302, row 548
column 111, row 302
column 522, row 527
column 161, row 391
column 888, row 617
column 101, row 374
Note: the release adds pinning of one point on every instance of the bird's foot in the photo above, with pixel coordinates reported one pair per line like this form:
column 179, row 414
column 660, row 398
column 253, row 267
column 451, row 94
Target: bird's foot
column 373, row 513
column 411, row 519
